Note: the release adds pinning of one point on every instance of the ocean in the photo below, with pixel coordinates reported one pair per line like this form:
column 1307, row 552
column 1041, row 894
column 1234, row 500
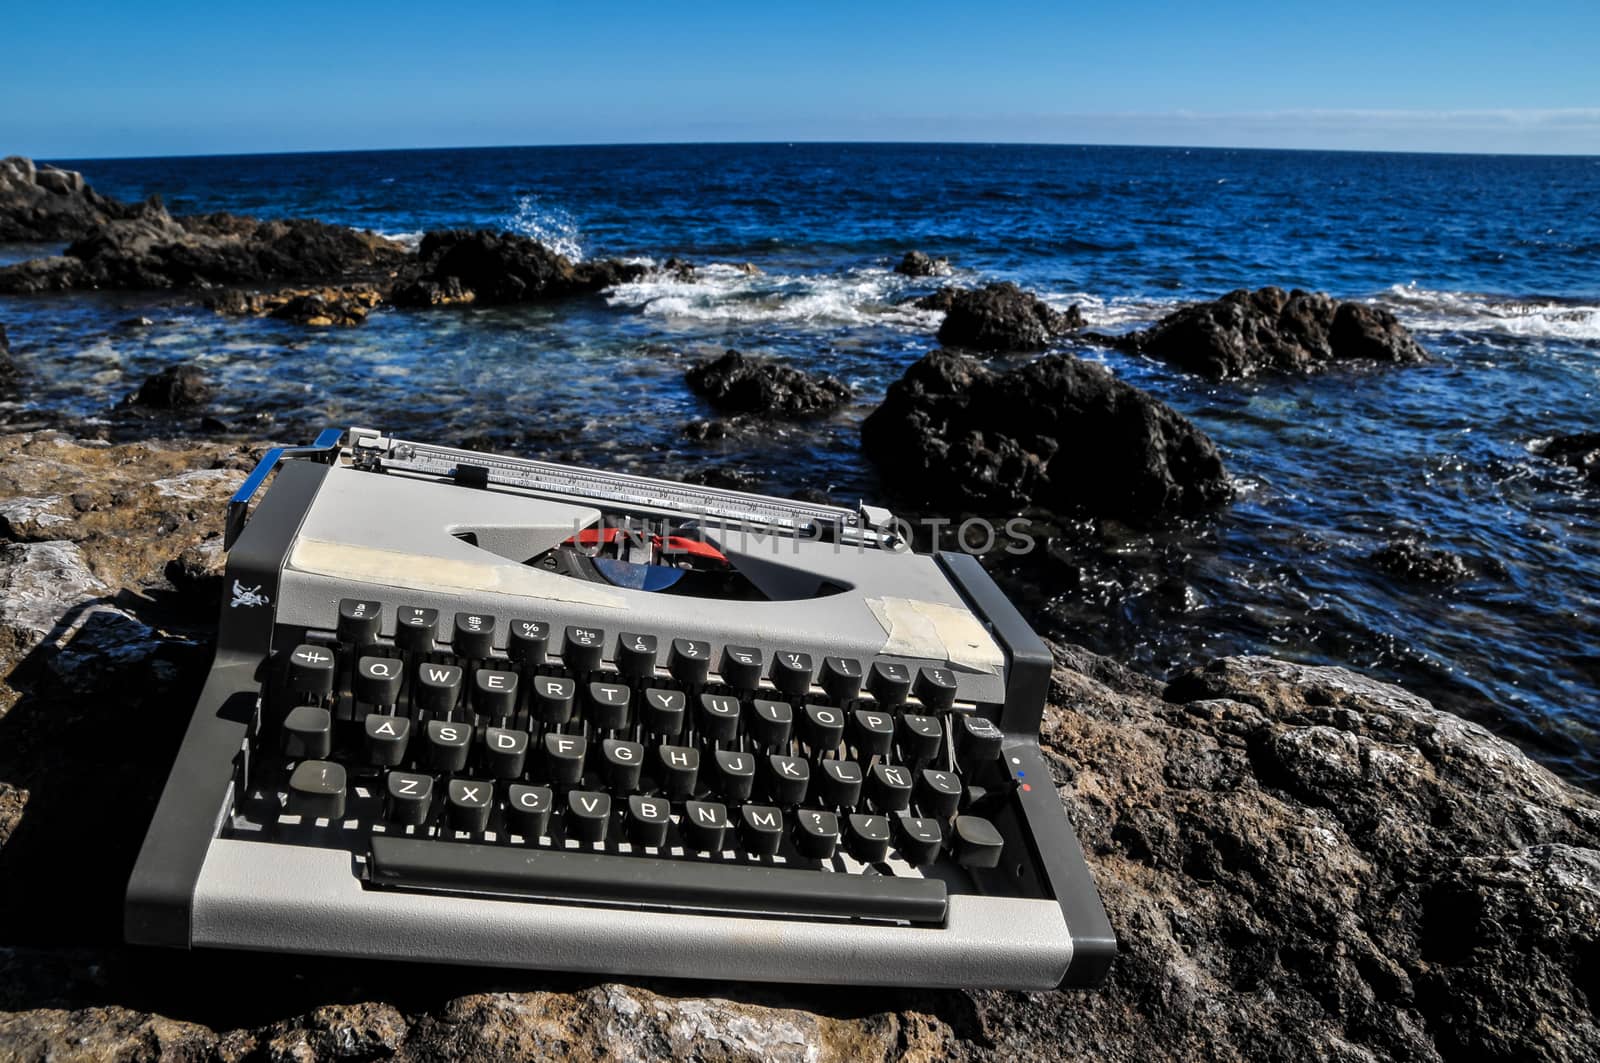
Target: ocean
column 1493, row 261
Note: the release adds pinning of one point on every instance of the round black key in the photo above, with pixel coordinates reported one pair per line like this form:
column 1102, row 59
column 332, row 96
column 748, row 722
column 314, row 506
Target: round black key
column 438, row 687
column 377, row 680
column 871, row 732
column 704, row 826
column 733, row 775
column 839, row 784
column 867, row 837
column 977, row 842
column 473, row 636
column 494, row 693
column 935, row 688
column 552, row 698
column 528, row 810
column 563, row 757
column 415, row 629
column 760, row 829
column 635, row 657
column 821, row 727
column 689, row 661
column 791, row 673
column 788, row 779
column 889, row 787
column 937, row 793
column 385, row 739
column 841, row 678
column 471, row 801
column 919, row 839
column 311, row 669
column 889, row 682
column 407, row 798
column 316, row 790
column 662, row 711
column 816, row 834
column 977, row 742
column 307, row 733
column 648, row 819
column 505, row 752
column 741, row 667
column 624, row 761
column 609, row 706
column 448, row 744
column 527, row 641
column 359, row 621
column 920, row 737
column 588, row 815
column 718, row 717
column 679, row 769
column 770, row 722
column 582, row 648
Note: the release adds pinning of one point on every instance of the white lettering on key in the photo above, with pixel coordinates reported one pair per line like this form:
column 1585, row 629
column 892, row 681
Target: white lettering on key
column 385, row 728
column 494, row 681
column 789, row 768
column 438, row 675
column 408, row 786
column 449, row 734
column 469, row 793
column 504, row 740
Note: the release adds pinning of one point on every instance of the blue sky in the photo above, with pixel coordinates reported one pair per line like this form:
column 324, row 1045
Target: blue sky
column 91, row 80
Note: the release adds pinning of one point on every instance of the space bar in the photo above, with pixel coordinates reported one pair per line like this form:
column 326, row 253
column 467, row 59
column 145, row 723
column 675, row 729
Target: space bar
column 682, row 884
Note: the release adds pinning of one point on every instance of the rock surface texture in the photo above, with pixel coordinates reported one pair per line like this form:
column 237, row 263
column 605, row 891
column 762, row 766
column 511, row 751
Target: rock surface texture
column 1059, row 433
column 44, row 204
column 319, row 307
column 1000, row 317
column 1579, row 450
column 1300, row 862
column 1270, row 330
column 736, row 383
column 922, row 264
column 153, row 250
column 478, row 266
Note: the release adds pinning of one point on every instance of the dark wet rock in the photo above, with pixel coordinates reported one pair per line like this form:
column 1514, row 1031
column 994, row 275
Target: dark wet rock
column 1273, row 331
column 1411, row 560
column 740, row 384
column 940, row 300
column 344, row 305
column 9, row 373
column 41, row 203
column 153, row 250
column 920, row 264
column 177, row 387
column 136, row 322
column 1300, row 862
column 1579, row 450
column 708, row 429
column 479, row 266
column 679, row 269
column 1003, row 317
column 1059, row 433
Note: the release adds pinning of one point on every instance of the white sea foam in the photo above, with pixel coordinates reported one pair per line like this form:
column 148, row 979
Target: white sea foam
column 551, row 226
column 408, row 240
column 1434, row 311
column 719, row 293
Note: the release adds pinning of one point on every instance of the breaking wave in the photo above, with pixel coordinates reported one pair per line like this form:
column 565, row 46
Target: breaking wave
column 1436, row 311
column 726, row 294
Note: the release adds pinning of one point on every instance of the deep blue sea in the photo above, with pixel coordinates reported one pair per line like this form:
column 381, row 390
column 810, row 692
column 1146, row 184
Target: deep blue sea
column 1494, row 261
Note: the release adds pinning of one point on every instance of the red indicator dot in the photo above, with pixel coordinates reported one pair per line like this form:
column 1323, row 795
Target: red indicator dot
column 1026, row 788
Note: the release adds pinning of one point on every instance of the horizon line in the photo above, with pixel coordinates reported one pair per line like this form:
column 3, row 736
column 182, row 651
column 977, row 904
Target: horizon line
column 792, row 141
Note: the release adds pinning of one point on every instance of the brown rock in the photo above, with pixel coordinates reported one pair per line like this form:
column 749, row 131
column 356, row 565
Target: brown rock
column 344, row 305
column 177, row 387
column 42, row 203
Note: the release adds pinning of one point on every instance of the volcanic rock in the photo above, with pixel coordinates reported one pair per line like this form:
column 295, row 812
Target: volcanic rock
column 177, row 387
column 1411, row 560
column 8, row 368
column 940, row 300
column 919, row 264
column 1579, row 450
column 152, row 250
column 1273, row 331
column 739, row 384
column 479, row 266
column 1058, row 433
column 42, row 203
column 1003, row 317
column 344, row 305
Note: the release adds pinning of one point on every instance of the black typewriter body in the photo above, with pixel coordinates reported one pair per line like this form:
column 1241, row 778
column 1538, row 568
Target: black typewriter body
column 485, row 710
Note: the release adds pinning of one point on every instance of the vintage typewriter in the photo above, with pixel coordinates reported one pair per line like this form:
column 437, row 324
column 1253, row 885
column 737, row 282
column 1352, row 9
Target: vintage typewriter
column 485, row 710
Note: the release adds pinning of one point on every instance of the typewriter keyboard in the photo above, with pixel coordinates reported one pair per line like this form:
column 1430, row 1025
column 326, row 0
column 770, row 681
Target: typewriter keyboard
column 612, row 745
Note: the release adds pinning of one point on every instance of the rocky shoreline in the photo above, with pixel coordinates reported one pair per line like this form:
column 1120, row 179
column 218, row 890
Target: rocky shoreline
column 1300, row 862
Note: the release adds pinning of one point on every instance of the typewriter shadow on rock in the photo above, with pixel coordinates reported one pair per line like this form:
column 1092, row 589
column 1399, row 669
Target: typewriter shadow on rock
column 84, row 752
